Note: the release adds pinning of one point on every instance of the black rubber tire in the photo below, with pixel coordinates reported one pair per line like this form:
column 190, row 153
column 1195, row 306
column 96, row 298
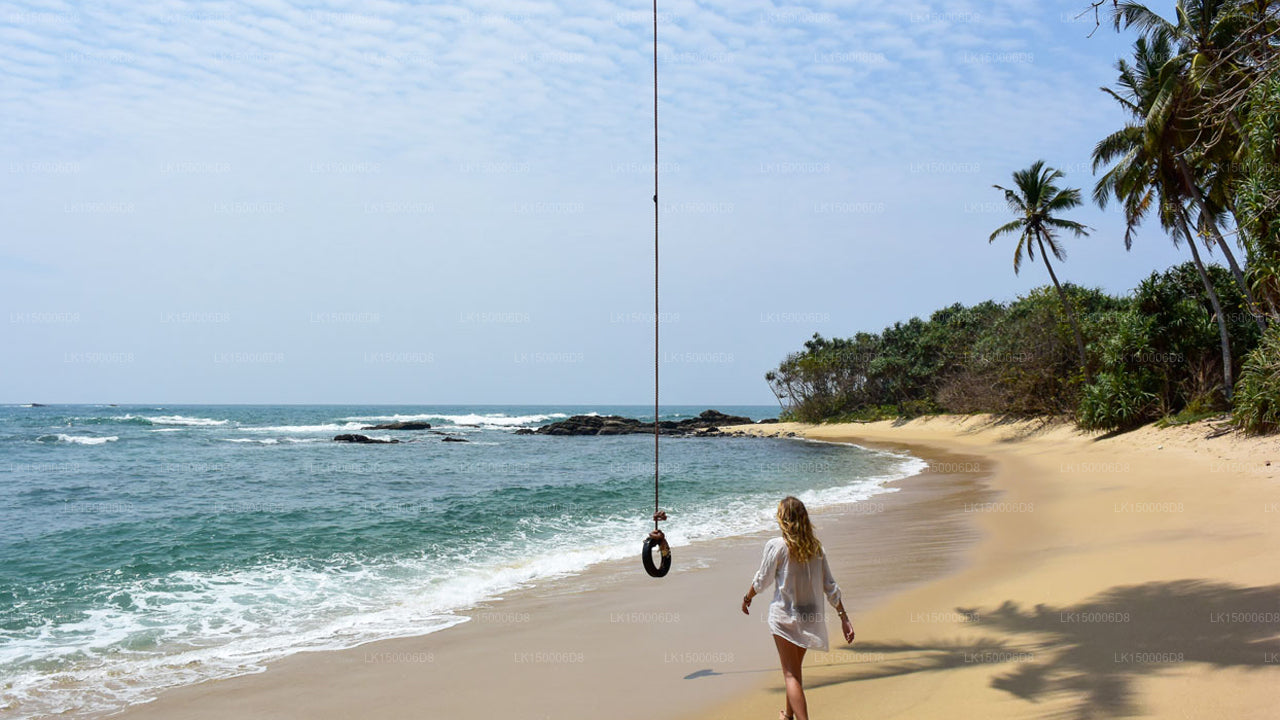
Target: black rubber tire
column 647, row 556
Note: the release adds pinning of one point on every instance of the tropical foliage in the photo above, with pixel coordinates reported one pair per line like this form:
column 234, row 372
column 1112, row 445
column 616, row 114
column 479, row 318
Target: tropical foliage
column 1155, row 351
column 1258, row 399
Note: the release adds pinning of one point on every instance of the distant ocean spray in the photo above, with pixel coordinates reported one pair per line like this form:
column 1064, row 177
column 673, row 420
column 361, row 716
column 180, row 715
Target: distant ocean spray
column 145, row 547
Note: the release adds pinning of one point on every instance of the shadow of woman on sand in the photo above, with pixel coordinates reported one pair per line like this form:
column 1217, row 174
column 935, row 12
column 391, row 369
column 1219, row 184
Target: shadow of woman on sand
column 1094, row 651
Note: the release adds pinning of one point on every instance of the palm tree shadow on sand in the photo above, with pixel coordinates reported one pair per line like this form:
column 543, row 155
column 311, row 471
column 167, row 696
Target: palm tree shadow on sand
column 1094, row 652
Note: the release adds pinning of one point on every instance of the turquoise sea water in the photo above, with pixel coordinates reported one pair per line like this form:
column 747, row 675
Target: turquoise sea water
column 144, row 547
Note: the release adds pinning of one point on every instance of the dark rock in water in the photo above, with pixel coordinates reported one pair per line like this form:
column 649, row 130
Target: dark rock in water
column 614, row 425
column 524, row 431
column 705, row 424
column 363, row 439
column 767, row 421
column 455, row 439
column 42, row 405
column 402, row 425
column 713, row 418
column 594, row 425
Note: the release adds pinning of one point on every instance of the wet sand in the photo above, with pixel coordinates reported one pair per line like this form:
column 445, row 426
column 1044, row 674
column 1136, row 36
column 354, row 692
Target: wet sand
column 611, row 642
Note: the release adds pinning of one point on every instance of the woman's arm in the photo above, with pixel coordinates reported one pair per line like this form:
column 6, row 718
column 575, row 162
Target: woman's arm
column 764, row 576
column 829, row 586
column 846, row 625
column 832, row 591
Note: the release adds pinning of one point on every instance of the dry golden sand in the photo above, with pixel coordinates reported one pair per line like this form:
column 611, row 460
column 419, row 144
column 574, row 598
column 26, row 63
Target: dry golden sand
column 1032, row 571
column 1128, row 576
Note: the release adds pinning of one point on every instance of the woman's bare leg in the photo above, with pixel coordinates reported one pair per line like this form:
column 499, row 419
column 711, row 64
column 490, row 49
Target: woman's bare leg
column 792, row 657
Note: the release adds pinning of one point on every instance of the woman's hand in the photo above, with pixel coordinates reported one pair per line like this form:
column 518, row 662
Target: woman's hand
column 847, row 627
column 746, row 604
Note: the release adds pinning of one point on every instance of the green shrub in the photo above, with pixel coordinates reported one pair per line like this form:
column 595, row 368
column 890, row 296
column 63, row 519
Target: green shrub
column 786, row 416
column 917, row 408
column 1115, row 401
column 1202, row 407
column 867, row 414
column 1257, row 397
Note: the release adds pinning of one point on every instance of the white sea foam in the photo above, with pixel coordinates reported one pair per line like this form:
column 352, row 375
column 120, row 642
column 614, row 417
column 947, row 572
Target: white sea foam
column 227, row 611
column 489, row 420
column 78, row 439
column 221, row 624
column 188, row 421
column 274, row 441
column 173, row 420
column 323, row 428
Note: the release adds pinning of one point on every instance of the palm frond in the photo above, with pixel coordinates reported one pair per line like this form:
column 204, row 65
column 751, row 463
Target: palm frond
column 1064, row 199
column 1054, row 246
column 1009, row 227
column 1124, row 102
column 1139, row 16
column 1118, row 143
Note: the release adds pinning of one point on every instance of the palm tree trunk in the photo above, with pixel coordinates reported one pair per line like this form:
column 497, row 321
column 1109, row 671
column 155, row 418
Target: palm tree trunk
column 1067, row 310
column 1194, row 190
column 1227, row 373
column 1266, row 296
column 1251, row 300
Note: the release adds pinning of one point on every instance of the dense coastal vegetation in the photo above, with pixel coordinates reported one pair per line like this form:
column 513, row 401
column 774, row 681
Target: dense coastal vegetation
column 1200, row 154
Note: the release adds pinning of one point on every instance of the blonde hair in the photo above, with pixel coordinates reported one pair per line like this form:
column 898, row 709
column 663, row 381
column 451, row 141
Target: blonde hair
column 797, row 531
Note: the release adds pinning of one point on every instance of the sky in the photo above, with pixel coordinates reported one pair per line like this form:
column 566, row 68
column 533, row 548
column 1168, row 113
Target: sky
column 451, row 202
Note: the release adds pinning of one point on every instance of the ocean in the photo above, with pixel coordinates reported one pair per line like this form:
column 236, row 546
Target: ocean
column 144, row 547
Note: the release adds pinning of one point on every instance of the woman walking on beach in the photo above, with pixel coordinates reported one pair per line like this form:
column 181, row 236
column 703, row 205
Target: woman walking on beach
column 797, row 564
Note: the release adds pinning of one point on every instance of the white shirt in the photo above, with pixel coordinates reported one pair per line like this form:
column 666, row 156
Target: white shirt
column 796, row 613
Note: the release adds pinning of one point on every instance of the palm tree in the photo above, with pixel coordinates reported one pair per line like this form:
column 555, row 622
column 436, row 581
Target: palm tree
column 1147, row 171
column 1036, row 202
column 1202, row 38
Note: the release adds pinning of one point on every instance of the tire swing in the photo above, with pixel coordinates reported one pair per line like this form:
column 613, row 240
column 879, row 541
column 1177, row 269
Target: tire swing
column 655, row 538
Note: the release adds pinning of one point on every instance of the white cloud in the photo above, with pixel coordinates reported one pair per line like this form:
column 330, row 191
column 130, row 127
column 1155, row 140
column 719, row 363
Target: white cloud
column 459, row 114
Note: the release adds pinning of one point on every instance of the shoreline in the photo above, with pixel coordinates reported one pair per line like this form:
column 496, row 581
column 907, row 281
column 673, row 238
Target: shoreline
column 611, row 628
column 1047, row 572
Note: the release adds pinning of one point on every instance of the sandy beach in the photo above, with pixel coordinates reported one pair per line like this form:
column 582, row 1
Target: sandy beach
column 1030, row 571
column 1129, row 576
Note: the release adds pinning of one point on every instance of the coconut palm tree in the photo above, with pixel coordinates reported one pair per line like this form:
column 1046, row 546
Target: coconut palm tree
column 1202, row 40
column 1036, row 201
column 1146, row 171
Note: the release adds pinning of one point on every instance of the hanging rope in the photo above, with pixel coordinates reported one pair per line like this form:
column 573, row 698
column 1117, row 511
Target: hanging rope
column 656, row 538
column 656, row 362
